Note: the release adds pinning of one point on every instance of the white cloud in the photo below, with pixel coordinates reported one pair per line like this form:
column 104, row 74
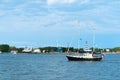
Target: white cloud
column 50, row 2
column 37, row 1
column 53, row 18
column 84, row 1
column 7, row 1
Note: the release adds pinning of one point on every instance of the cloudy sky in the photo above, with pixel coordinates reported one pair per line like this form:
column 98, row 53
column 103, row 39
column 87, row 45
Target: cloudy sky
column 40, row 23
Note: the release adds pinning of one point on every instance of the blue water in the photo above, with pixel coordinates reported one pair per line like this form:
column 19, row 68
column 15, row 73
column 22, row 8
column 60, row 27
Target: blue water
column 57, row 67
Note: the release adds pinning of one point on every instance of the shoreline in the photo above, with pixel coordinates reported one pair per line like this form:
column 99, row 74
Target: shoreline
column 59, row 53
column 111, row 52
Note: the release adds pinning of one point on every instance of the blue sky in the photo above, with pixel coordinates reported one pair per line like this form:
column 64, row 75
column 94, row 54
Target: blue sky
column 41, row 23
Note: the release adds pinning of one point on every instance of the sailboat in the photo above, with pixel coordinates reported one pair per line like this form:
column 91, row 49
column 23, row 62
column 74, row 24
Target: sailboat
column 84, row 57
column 88, row 55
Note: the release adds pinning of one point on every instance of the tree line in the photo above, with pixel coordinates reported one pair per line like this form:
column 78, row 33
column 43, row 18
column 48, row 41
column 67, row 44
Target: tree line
column 5, row 48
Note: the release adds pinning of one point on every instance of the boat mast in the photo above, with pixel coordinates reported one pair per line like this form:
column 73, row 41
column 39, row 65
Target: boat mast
column 93, row 39
column 68, row 49
column 86, row 46
column 78, row 46
column 78, row 23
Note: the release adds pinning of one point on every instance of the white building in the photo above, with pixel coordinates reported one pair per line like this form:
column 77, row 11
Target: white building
column 36, row 51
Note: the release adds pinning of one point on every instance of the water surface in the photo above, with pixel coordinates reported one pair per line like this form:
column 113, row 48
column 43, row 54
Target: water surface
column 57, row 67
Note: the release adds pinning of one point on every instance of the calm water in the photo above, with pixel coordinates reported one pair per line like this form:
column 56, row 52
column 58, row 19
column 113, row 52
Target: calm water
column 57, row 67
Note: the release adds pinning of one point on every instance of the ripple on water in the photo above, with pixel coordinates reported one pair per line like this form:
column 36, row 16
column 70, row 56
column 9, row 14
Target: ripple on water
column 57, row 67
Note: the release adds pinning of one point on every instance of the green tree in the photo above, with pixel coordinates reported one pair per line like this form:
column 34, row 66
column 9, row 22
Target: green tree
column 20, row 50
column 4, row 48
column 116, row 49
